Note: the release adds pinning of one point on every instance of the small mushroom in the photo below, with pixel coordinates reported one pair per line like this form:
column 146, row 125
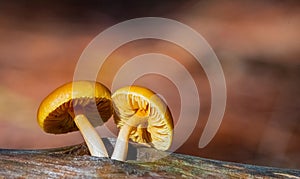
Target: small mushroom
column 143, row 117
column 77, row 105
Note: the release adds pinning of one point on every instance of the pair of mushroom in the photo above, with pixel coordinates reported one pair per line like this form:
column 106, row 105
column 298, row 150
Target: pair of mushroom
column 139, row 114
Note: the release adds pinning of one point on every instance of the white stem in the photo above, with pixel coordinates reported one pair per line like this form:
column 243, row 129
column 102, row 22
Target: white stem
column 91, row 137
column 121, row 147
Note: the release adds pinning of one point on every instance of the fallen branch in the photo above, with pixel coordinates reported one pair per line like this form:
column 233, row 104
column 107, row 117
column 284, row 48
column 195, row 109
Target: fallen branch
column 75, row 161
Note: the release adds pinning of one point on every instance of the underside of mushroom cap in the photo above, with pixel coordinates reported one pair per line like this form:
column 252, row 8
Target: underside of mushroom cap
column 146, row 113
column 57, row 110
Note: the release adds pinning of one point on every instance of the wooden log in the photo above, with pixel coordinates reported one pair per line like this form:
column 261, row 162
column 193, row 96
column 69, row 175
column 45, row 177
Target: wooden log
column 75, row 162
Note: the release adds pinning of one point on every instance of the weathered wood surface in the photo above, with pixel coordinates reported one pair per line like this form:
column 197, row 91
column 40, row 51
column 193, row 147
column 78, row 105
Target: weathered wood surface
column 75, row 162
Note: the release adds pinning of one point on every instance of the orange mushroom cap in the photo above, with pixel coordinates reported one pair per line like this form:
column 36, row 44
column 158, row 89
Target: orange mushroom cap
column 56, row 112
column 146, row 113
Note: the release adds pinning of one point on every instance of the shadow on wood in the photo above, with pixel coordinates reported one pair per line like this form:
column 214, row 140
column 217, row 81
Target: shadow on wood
column 75, row 161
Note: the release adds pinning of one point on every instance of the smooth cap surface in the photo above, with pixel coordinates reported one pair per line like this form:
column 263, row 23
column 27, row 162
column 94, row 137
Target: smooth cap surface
column 146, row 113
column 57, row 110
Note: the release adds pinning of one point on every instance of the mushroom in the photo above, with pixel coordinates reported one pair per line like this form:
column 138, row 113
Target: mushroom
column 143, row 117
column 77, row 105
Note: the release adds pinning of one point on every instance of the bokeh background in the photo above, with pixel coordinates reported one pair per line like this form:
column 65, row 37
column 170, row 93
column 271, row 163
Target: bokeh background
column 257, row 43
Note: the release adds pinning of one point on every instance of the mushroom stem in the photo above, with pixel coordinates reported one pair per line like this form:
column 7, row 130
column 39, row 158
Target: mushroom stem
column 121, row 147
column 91, row 137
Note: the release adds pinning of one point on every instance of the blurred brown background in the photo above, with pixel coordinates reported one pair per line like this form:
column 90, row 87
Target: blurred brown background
column 257, row 44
